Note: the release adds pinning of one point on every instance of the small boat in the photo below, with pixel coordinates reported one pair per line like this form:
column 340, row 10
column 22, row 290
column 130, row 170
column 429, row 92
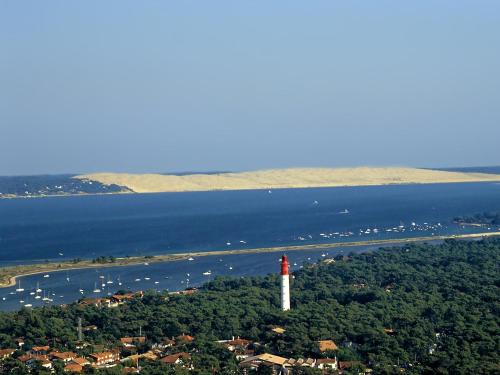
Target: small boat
column 32, row 293
column 344, row 211
column 96, row 289
column 47, row 275
column 146, row 264
column 61, row 254
column 109, row 281
column 37, row 297
column 207, row 273
column 101, row 276
column 190, row 258
column 19, row 289
column 157, row 282
column 147, row 278
column 137, row 279
column 228, row 243
column 38, row 290
column 28, row 305
column 21, row 301
column 12, row 293
column 230, row 267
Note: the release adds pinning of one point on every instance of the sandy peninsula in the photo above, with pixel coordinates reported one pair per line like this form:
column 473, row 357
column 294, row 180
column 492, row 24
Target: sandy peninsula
column 9, row 274
column 285, row 178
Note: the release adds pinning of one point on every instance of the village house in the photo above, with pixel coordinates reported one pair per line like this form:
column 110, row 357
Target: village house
column 131, row 342
column 185, row 338
column 239, row 346
column 274, row 362
column 309, row 362
column 327, row 345
column 30, row 360
column 80, row 361
column 66, row 357
column 181, row 359
column 105, row 358
column 164, row 344
column 40, row 350
column 73, row 368
column 327, row 364
column 6, row 353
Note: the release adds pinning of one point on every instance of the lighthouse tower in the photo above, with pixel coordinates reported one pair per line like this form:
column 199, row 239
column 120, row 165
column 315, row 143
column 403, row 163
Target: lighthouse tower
column 285, row 284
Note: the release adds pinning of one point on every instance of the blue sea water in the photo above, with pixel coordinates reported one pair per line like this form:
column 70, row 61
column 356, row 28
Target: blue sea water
column 33, row 230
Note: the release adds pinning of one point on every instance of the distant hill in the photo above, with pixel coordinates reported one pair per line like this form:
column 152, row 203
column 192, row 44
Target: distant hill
column 284, row 178
column 491, row 170
column 50, row 185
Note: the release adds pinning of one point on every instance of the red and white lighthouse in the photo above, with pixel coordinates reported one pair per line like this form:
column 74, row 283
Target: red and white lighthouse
column 285, row 284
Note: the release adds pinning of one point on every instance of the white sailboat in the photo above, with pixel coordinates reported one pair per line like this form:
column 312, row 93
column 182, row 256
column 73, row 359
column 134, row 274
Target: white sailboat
column 38, row 290
column 19, row 289
column 96, row 290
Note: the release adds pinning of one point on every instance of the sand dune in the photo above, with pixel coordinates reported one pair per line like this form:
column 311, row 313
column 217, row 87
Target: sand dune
column 285, row 178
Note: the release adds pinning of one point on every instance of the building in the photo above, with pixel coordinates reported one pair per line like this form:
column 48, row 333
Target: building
column 73, row 368
column 66, row 357
column 6, row 353
column 274, row 362
column 327, row 345
column 327, row 364
column 285, row 284
column 181, row 359
column 105, row 358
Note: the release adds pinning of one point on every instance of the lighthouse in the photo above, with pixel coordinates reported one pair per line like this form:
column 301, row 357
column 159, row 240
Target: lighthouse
column 285, row 284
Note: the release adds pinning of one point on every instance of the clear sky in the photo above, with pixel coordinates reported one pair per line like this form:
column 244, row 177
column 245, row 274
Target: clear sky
column 144, row 86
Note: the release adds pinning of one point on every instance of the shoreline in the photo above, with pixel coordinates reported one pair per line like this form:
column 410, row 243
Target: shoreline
column 9, row 274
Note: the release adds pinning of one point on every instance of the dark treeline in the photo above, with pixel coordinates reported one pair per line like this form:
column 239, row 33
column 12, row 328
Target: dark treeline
column 482, row 218
column 428, row 309
column 26, row 186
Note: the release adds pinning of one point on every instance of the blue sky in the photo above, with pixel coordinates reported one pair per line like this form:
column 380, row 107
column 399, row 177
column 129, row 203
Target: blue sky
column 239, row 85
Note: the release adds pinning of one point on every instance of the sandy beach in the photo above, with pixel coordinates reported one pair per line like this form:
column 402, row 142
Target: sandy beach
column 285, row 178
column 8, row 275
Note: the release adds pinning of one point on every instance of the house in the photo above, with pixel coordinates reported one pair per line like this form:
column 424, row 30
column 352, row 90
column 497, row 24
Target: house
column 274, row 362
column 6, row 353
column 39, row 350
column 278, row 330
column 30, row 360
column 166, row 343
column 66, row 357
column 237, row 344
column 182, row 359
column 132, row 341
column 81, row 361
column 105, row 358
column 185, row 338
column 343, row 365
column 327, row 345
column 73, row 367
column 327, row 364
column 301, row 362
